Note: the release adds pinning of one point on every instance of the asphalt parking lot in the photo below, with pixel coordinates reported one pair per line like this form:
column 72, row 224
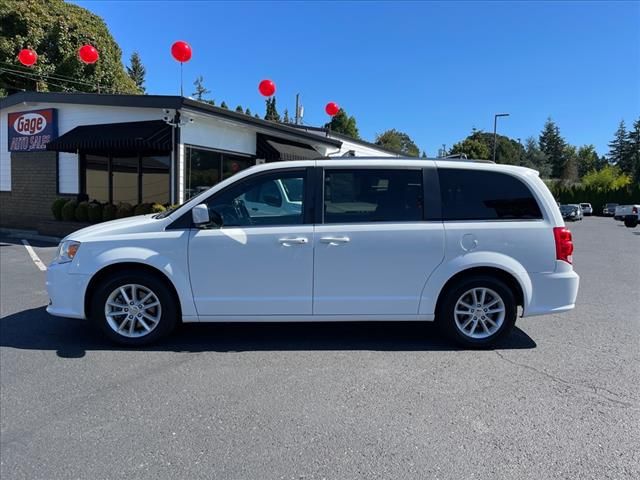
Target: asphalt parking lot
column 560, row 398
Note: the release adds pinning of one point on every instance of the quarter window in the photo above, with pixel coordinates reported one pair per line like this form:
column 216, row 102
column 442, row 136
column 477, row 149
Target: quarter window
column 261, row 200
column 368, row 195
column 481, row 195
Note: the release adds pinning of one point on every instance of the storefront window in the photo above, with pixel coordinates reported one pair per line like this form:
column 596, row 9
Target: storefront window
column 134, row 179
column 125, row 179
column 97, row 177
column 205, row 168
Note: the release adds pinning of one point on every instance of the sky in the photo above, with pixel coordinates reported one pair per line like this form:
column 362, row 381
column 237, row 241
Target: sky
column 434, row 70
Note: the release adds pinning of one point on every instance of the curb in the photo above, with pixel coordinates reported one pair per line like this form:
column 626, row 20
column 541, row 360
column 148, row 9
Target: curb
column 28, row 235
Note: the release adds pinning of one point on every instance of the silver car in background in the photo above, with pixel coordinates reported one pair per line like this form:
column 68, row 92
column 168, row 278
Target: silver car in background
column 587, row 209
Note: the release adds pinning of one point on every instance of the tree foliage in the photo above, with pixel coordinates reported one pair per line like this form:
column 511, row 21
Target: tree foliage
column 136, row 71
column 398, row 141
column 588, row 159
column 553, row 146
column 271, row 112
column 201, row 90
column 633, row 141
column 472, row 147
column 479, row 145
column 344, row 124
column 606, row 179
column 239, row 109
column 534, row 158
column 55, row 30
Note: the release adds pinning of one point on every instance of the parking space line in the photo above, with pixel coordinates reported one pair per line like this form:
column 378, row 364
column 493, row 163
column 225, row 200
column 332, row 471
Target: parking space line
column 34, row 256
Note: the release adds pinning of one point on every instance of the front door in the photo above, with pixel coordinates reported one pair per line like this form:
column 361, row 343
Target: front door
column 375, row 248
column 260, row 262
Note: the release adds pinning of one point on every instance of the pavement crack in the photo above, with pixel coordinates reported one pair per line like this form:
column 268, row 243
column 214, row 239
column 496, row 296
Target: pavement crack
column 598, row 391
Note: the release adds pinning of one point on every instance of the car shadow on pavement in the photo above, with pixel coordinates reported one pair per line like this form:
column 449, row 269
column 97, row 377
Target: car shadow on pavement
column 35, row 329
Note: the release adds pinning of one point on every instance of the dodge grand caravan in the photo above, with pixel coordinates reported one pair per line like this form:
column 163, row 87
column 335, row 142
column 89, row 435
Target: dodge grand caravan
column 468, row 245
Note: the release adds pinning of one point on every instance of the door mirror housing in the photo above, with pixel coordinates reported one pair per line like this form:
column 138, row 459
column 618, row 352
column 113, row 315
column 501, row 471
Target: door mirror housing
column 200, row 215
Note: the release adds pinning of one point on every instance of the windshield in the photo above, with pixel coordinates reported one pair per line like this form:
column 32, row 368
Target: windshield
column 585, row 205
column 566, row 208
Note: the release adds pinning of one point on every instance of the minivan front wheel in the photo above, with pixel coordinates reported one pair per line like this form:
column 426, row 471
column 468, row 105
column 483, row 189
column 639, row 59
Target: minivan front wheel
column 134, row 308
column 477, row 311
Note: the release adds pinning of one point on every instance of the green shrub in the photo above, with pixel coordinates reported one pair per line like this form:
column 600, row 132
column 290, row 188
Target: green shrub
column 69, row 211
column 56, row 207
column 82, row 212
column 95, row 212
column 109, row 212
column 142, row 209
column 157, row 208
column 124, row 210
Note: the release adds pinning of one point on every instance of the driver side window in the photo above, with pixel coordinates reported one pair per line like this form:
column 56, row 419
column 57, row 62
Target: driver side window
column 260, row 200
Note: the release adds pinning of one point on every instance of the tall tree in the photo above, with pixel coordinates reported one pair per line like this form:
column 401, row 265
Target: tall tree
column 136, row 71
column 201, row 90
column 587, row 160
column 247, row 111
column 472, row 147
column 618, row 146
column 633, row 142
column 570, row 167
column 55, row 29
column 285, row 118
column 344, row 124
column 534, row 158
column 271, row 110
column 223, row 104
column 479, row 145
column 553, row 146
column 398, row 141
column 239, row 109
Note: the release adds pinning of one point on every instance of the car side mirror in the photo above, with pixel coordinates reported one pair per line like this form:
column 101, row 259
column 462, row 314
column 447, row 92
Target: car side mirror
column 200, row 215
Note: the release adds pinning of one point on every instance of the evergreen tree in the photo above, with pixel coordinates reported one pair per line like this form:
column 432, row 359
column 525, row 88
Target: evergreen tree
column 272, row 111
column 224, row 105
column 286, row 116
column 633, row 143
column 247, row 111
column 552, row 145
column 344, row 124
column 424, row 154
column 201, row 90
column 619, row 150
column 239, row 109
column 257, row 116
column 570, row 167
column 587, row 160
column 136, row 71
column 534, row 158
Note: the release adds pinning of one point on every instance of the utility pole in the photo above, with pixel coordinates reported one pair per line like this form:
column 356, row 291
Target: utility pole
column 297, row 117
column 495, row 127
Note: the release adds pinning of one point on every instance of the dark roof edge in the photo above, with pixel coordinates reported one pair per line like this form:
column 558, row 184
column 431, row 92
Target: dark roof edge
column 351, row 139
column 158, row 101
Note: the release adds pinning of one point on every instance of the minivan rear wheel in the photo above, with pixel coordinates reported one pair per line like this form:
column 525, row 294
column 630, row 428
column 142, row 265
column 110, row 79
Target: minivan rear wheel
column 477, row 311
column 134, row 309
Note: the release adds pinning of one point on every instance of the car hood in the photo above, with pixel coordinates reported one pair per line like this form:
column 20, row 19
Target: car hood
column 137, row 224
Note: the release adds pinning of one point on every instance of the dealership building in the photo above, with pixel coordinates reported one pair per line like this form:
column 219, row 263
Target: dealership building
column 137, row 149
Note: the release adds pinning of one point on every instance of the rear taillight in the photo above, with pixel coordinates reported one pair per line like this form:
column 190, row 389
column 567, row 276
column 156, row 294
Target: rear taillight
column 634, row 210
column 564, row 244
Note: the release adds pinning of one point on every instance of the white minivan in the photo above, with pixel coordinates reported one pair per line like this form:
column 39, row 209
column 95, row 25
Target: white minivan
column 462, row 243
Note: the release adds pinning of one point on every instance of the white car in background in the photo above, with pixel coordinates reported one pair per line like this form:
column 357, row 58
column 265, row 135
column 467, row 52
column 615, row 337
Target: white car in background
column 466, row 244
column 632, row 218
column 622, row 211
column 587, row 210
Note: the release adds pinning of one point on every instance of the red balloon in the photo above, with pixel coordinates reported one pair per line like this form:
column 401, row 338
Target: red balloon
column 181, row 51
column 267, row 88
column 88, row 54
column 332, row 108
column 27, row 57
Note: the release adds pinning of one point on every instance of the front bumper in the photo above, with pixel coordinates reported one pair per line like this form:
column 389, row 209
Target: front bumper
column 66, row 291
column 553, row 292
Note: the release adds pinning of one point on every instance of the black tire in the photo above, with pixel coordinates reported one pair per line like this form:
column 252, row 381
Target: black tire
column 631, row 222
column 445, row 317
column 168, row 309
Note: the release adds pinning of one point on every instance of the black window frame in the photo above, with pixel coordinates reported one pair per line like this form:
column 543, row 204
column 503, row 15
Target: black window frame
column 441, row 170
column 430, row 190
column 185, row 221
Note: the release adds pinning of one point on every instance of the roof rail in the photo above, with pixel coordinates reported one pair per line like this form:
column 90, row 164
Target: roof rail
column 463, row 157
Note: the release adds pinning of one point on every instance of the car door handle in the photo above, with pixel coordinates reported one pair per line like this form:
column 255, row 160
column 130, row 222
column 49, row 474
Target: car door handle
column 287, row 242
column 335, row 240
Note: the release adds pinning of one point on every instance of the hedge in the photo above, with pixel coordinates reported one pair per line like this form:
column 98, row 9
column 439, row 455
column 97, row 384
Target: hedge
column 69, row 211
column 109, row 212
column 56, row 208
column 95, row 212
column 124, row 210
column 597, row 198
column 82, row 212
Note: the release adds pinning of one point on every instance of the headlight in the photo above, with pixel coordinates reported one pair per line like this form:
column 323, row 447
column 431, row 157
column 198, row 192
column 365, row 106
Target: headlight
column 66, row 251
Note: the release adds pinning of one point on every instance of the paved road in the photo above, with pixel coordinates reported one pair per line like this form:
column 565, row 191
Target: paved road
column 559, row 399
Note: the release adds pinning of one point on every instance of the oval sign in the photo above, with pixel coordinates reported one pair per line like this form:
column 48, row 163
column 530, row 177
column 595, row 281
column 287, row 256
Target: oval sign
column 30, row 124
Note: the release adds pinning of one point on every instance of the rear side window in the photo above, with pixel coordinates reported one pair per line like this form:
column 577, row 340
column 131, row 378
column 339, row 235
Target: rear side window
column 368, row 195
column 482, row 195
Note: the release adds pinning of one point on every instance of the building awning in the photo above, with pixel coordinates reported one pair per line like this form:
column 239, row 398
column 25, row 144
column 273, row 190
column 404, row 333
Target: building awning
column 144, row 137
column 273, row 149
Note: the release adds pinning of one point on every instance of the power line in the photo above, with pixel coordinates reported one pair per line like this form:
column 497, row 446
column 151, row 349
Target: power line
column 59, row 76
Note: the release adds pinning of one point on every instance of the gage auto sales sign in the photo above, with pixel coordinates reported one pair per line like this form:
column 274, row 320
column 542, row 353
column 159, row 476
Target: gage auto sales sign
column 31, row 131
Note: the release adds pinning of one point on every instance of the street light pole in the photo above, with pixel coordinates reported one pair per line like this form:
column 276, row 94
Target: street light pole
column 495, row 126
